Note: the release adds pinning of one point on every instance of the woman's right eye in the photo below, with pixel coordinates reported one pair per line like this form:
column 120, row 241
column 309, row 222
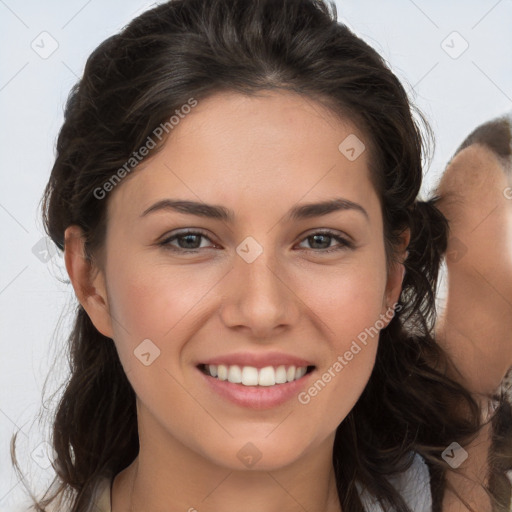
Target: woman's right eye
column 190, row 241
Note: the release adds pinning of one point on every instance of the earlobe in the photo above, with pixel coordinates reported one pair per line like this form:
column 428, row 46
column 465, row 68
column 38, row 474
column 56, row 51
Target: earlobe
column 394, row 288
column 396, row 275
column 87, row 280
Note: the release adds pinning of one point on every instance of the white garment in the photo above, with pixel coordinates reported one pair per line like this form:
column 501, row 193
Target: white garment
column 413, row 485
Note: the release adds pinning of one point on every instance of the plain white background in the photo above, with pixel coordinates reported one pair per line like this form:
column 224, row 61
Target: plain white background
column 43, row 51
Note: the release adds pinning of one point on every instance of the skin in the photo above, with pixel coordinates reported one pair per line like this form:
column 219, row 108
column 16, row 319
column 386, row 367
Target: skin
column 475, row 324
column 477, row 320
column 291, row 299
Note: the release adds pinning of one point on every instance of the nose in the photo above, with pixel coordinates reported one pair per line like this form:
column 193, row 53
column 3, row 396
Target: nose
column 259, row 298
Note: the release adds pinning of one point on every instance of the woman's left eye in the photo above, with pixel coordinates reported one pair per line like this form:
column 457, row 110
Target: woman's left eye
column 321, row 236
column 188, row 242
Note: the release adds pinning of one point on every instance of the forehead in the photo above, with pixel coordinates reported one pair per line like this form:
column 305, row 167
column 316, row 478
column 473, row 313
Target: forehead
column 270, row 149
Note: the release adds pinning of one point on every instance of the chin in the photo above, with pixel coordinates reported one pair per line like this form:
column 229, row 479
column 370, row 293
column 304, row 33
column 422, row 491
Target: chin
column 255, row 453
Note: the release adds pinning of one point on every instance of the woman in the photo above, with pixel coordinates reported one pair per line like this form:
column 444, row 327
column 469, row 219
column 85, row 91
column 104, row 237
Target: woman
column 220, row 357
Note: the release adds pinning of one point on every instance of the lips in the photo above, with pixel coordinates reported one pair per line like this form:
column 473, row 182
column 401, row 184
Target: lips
column 258, row 381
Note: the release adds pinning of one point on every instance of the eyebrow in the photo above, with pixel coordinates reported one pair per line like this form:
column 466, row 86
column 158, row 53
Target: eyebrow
column 299, row 212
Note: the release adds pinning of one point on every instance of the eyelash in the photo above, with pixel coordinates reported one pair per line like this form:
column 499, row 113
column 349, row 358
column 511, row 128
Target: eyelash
column 344, row 244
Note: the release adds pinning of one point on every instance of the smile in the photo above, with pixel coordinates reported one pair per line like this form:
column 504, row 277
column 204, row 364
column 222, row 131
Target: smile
column 252, row 376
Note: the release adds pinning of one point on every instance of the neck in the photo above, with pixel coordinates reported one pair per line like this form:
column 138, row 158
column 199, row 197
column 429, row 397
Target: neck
column 166, row 475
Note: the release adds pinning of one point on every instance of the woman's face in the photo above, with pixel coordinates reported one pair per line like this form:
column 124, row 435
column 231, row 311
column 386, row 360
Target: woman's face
column 256, row 289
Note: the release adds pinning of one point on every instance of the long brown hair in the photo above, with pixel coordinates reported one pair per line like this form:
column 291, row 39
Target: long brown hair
column 133, row 82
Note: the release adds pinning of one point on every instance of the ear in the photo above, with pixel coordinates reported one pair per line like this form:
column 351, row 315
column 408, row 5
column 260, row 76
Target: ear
column 396, row 275
column 87, row 279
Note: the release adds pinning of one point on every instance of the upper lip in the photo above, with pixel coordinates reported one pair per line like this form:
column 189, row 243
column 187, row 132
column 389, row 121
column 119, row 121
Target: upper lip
column 258, row 360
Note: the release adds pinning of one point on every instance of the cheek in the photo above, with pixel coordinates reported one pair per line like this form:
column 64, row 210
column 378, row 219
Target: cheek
column 348, row 302
column 158, row 301
column 348, row 297
column 352, row 342
column 160, row 304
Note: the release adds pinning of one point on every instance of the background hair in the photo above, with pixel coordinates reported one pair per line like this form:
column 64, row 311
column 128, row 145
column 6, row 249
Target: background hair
column 131, row 84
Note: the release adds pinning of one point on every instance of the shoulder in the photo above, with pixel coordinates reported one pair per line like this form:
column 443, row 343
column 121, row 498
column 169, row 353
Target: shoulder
column 413, row 485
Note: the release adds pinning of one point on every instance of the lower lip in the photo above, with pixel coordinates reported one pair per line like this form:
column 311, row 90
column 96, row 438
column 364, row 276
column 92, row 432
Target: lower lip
column 257, row 397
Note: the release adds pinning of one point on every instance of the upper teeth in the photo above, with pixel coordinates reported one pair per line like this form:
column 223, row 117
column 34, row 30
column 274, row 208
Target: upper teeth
column 251, row 376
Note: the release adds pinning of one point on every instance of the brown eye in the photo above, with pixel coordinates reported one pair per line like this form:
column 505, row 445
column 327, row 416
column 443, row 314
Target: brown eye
column 321, row 242
column 189, row 241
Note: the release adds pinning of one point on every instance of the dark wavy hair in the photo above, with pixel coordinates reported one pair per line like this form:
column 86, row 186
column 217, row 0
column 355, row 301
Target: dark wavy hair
column 132, row 83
